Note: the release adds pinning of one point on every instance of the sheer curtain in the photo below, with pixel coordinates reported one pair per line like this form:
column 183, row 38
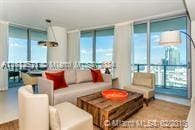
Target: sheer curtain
column 3, row 55
column 74, row 46
column 122, row 52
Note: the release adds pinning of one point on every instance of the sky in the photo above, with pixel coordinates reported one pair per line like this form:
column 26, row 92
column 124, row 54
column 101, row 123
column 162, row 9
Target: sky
column 157, row 52
column 18, row 51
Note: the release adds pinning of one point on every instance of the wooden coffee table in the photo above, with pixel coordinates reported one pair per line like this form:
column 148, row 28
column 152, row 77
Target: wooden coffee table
column 103, row 109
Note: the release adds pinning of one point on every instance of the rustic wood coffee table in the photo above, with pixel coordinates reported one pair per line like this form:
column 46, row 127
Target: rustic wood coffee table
column 104, row 109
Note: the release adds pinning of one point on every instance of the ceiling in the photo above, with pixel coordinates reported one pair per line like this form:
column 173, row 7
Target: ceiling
column 79, row 14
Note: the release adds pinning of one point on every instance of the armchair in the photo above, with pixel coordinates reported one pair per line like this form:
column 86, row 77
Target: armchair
column 143, row 83
column 35, row 113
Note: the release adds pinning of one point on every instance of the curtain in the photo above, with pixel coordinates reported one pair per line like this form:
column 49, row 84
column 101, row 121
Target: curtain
column 74, row 46
column 122, row 52
column 3, row 55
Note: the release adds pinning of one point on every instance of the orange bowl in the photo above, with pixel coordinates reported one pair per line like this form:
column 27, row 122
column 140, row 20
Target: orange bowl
column 114, row 94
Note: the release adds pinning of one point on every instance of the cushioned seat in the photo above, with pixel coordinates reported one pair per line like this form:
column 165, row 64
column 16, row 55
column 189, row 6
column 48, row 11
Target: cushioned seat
column 73, row 91
column 147, row 92
column 72, row 118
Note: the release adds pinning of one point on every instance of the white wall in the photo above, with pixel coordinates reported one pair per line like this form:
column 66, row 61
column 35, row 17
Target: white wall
column 3, row 54
column 59, row 53
column 193, row 58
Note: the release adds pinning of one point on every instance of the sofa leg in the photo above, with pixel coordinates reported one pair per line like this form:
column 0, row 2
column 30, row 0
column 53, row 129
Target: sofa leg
column 146, row 101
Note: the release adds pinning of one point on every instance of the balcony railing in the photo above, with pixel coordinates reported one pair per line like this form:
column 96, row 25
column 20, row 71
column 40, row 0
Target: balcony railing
column 167, row 76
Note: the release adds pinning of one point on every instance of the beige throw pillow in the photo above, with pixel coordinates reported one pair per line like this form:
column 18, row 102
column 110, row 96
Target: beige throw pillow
column 70, row 76
column 54, row 119
column 83, row 76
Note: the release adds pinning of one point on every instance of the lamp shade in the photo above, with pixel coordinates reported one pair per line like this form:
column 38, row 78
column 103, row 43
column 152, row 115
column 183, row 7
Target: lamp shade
column 170, row 38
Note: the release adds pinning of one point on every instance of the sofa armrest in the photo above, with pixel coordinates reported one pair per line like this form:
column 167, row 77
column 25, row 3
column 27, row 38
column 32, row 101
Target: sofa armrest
column 45, row 86
column 107, row 77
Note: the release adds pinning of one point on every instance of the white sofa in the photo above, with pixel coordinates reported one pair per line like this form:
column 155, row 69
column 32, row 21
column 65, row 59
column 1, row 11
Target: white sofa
column 35, row 113
column 191, row 116
column 79, row 84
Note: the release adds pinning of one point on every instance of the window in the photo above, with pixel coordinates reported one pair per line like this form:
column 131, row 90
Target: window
column 175, row 55
column 140, row 47
column 38, row 53
column 169, row 64
column 104, row 45
column 23, row 45
column 17, row 44
column 96, row 46
column 86, row 47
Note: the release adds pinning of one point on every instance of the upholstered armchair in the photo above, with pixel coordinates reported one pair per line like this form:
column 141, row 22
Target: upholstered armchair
column 33, row 110
column 143, row 83
column 36, row 114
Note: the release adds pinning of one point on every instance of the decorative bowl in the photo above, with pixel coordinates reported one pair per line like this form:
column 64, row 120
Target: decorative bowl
column 114, row 94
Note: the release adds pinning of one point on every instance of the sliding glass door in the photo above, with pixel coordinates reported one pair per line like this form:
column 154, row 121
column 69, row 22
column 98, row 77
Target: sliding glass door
column 169, row 64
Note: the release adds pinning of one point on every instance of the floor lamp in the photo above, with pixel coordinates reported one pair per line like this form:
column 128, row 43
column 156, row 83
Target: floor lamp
column 170, row 38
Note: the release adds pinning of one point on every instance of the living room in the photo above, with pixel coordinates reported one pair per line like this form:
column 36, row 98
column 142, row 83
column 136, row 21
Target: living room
column 97, row 64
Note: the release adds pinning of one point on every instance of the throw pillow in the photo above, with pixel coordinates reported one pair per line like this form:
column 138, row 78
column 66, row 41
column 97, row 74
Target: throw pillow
column 58, row 79
column 96, row 75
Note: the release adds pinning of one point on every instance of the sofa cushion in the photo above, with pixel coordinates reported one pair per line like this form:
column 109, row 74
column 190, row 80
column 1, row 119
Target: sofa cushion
column 83, row 76
column 147, row 92
column 73, row 118
column 54, row 119
column 71, row 93
column 70, row 76
column 146, row 82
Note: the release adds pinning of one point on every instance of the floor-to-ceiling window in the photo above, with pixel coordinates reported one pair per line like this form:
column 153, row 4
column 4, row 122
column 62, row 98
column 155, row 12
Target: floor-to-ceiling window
column 23, row 48
column 96, row 46
column 168, row 63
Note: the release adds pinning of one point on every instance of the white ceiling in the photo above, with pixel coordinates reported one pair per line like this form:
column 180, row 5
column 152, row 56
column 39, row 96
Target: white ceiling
column 79, row 14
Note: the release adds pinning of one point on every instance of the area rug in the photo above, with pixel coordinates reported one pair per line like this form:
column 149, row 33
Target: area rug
column 158, row 110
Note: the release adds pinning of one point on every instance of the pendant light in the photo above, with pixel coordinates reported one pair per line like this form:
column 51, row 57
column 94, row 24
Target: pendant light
column 49, row 43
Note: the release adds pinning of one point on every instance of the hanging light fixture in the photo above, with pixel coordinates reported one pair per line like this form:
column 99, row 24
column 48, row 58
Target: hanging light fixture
column 49, row 43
